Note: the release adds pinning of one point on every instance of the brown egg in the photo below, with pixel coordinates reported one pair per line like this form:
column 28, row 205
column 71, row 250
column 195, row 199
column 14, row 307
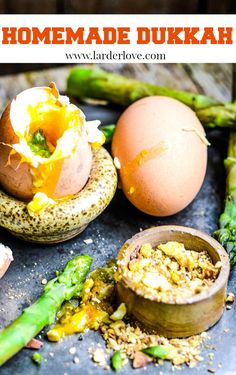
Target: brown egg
column 162, row 151
column 23, row 173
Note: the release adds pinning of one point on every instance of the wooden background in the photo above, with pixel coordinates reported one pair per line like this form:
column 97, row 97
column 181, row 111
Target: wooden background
column 117, row 6
column 211, row 79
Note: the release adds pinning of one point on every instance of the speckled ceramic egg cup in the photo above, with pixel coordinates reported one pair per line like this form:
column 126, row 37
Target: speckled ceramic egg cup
column 68, row 218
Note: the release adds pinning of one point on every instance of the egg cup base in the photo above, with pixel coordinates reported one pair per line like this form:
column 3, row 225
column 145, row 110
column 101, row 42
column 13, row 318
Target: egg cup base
column 68, row 218
column 50, row 239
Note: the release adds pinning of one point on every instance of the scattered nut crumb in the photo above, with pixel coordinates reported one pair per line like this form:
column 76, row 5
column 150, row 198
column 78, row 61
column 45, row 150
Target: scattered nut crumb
column 210, row 355
column 44, row 281
column 230, row 297
column 88, row 241
column 76, row 360
column 131, row 339
column 140, row 360
column 72, row 350
column 34, row 344
column 211, row 370
column 228, row 307
column 99, row 356
column 204, row 335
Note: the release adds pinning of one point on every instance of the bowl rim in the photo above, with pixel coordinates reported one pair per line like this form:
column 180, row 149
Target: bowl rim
column 202, row 296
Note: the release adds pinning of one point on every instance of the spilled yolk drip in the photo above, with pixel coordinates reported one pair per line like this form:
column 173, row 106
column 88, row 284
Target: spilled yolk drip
column 95, row 307
column 131, row 190
column 46, row 176
column 87, row 316
column 39, row 201
column 144, row 156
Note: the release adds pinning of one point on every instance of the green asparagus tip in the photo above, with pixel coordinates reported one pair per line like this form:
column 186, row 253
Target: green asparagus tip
column 37, row 358
column 34, row 318
column 156, row 351
column 108, row 131
column 38, row 144
column 116, row 361
column 80, row 75
column 83, row 72
column 73, row 276
column 227, row 238
column 226, row 234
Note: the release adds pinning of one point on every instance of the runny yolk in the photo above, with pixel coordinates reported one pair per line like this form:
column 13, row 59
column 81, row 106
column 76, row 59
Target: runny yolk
column 52, row 119
column 46, row 176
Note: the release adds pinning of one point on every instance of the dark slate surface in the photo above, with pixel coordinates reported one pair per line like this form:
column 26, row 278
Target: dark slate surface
column 21, row 285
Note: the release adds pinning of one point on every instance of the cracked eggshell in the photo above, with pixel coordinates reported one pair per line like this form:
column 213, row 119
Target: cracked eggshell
column 5, row 259
column 69, row 174
column 15, row 178
column 162, row 150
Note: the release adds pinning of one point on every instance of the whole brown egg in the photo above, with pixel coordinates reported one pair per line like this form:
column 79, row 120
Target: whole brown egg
column 161, row 149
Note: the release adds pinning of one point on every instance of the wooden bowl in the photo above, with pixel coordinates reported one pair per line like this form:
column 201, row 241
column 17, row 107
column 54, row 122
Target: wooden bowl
column 69, row 217
column 189, row 316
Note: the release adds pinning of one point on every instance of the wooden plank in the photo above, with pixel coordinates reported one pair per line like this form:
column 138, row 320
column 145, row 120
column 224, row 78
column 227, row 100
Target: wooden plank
column 221, row 7
column 211, row 79
column 74, row 6
column 10, row 85
column 2, row 7
column 31, row 7
column 117, row 6
column 132, row 7
column 15, row 68
column 172, row 75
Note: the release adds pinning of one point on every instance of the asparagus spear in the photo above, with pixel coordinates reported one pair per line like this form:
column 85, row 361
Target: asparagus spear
column 34, row 318
column 86, row 82
column 226, row 235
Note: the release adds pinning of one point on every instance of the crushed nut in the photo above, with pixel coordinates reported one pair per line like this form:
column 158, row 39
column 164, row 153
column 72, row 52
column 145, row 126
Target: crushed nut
column 72, row 350
column 211, row 370
column 130, row 339
column 230, row 297
column 140, row 360
column 170, row 272
column 88, row 241
column 99, row 356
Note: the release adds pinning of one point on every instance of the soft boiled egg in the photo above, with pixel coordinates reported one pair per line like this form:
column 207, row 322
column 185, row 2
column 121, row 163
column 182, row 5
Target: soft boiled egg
column 160, row 148
column 45, row 146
